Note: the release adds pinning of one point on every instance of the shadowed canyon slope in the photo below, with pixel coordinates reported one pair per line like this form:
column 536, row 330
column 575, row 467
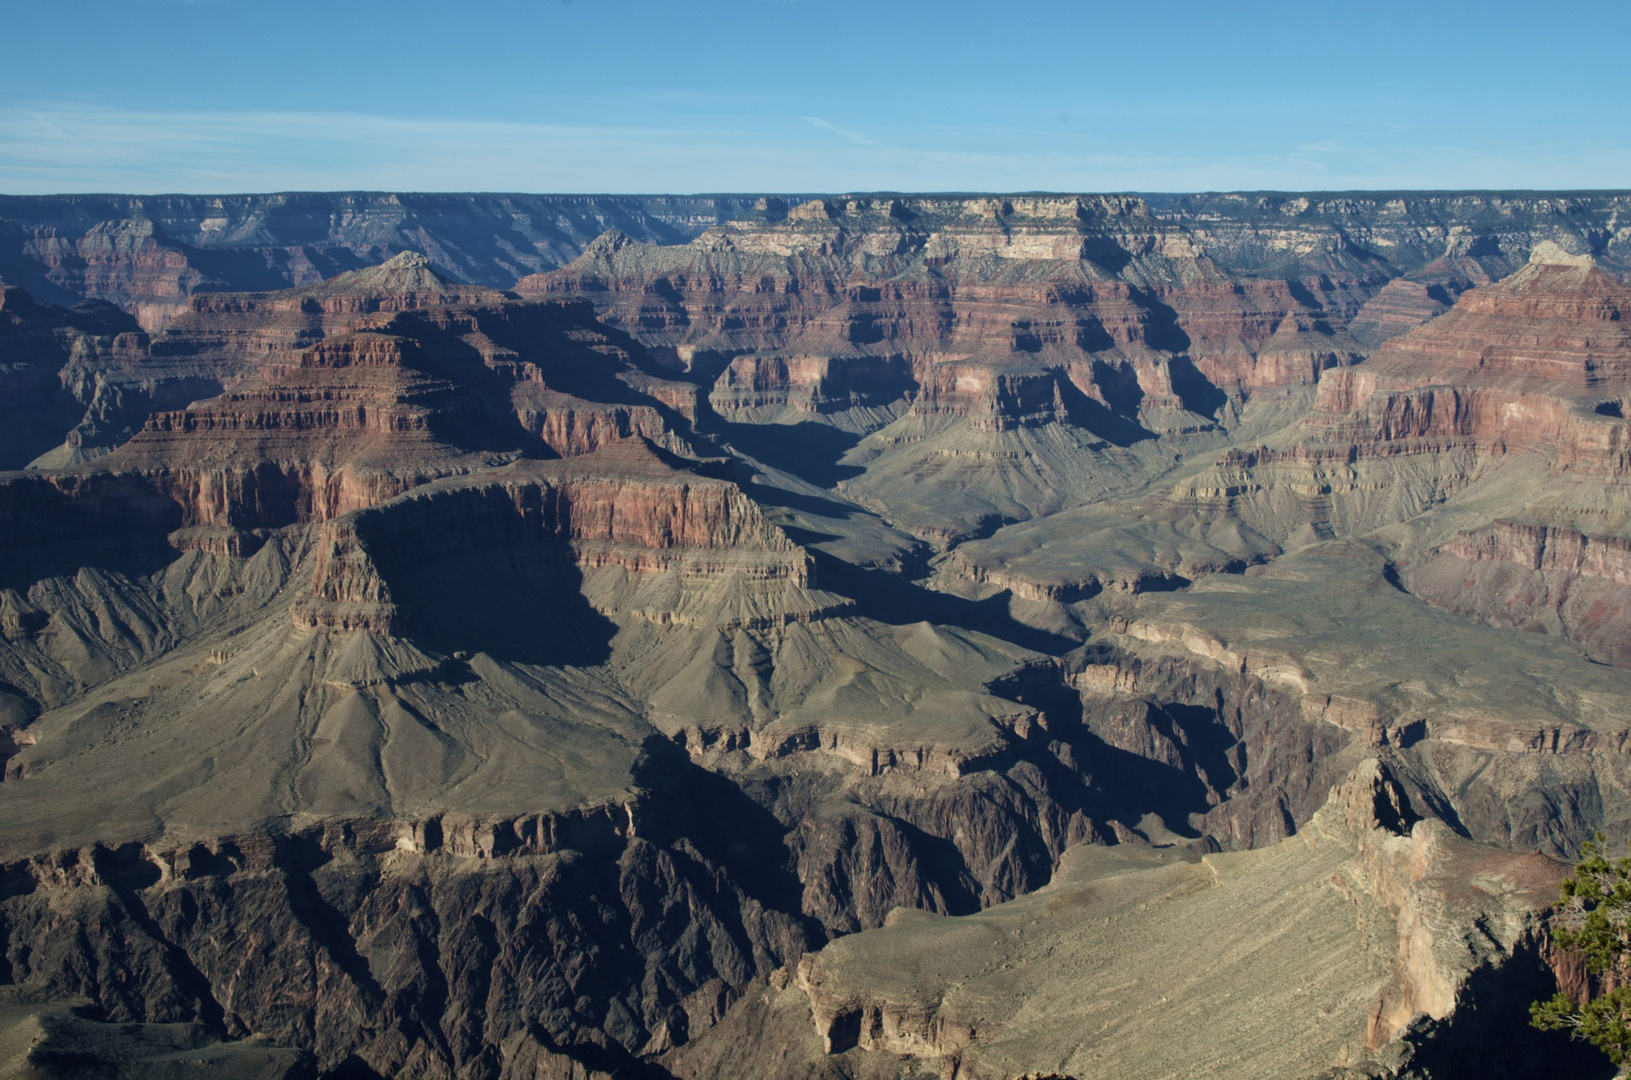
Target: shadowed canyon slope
column 869, row 636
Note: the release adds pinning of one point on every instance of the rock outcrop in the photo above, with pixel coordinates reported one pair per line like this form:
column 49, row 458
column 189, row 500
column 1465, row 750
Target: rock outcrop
column 1201, row 960
column 220, row 340
column 50, row 1040
column 129, row 262
column 345, row 394
column 1537, row 361
column 1518, row 376
column 623, row 507
column 1549, row 578
column 43, row 351
column 415, row 954
column 1475, row 236
column 354, row 423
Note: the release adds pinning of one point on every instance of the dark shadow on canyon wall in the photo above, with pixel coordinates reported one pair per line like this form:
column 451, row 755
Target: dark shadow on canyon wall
column 891, row 599
column 521, row 604
column 1489, row 1036
column 808, row 450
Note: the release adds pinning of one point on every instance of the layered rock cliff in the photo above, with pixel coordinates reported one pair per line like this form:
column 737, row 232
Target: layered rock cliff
column 884, row 286
column 151, row 253
column 255, row 242
column 1544, row 577
column 45, row 352
column 1536, row 361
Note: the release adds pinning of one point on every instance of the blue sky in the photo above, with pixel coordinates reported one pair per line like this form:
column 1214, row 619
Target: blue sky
column 810, row 95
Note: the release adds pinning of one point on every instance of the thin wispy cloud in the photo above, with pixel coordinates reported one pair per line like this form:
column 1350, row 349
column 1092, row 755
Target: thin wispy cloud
column 61, row 132
column 816, row 121
column 48, row 147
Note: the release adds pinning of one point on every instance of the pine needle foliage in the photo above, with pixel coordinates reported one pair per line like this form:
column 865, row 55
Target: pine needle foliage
column 1594, row 920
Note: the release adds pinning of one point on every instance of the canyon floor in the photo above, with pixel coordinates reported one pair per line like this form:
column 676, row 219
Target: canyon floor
column 485, row 637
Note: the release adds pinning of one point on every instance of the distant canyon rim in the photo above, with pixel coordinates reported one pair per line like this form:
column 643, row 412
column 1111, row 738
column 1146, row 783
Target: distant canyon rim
column 978, row 637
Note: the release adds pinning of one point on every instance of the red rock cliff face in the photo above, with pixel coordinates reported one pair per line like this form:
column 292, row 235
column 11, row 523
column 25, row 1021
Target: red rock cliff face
column 1254, row 335
column 237, row 334
column 811, row 383
column 1555, row 324
column 856, row 304
column 570, row 425
column 993, row 397
column 1544, row 578
column 1353, row 406
column 623, row 506
column 1399, row 307
column 223, row 339
column 573, row 385
column 41, row 510
column 1540, row 361
column 351, row 426
column 125, row 262
column 1548, row 548
column 345, row 394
